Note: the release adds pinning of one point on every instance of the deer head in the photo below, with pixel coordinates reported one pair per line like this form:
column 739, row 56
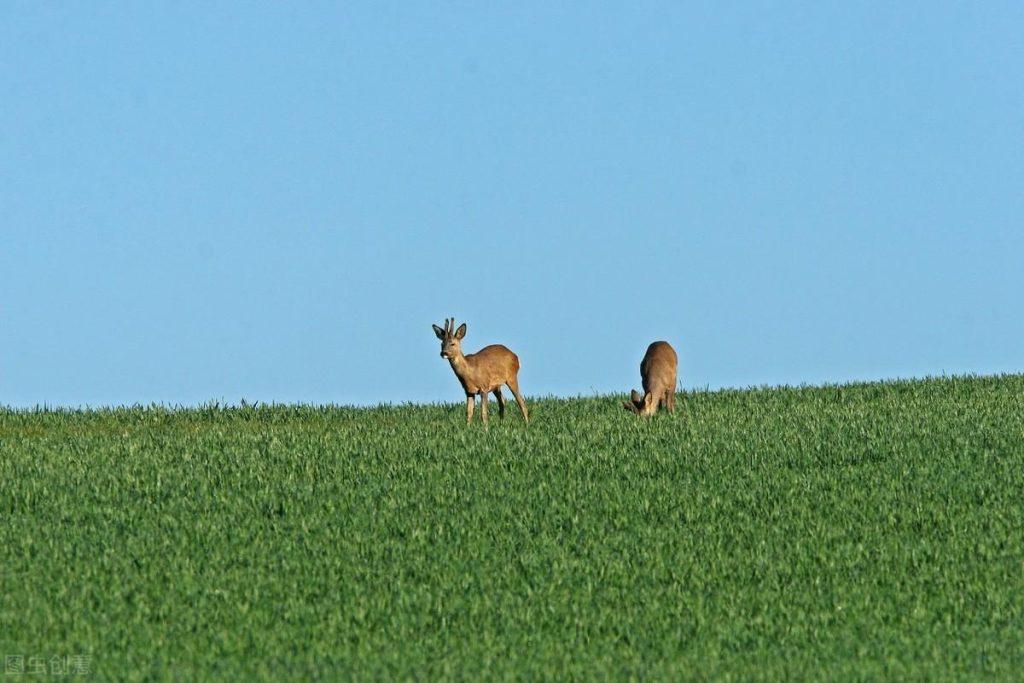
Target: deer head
column 641, row 405
column 451, row 339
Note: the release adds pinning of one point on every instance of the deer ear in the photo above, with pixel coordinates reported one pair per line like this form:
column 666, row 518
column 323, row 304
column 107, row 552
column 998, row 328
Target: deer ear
column 438, row 331
column 461, row 332
column 629, row 405
column 635, row 397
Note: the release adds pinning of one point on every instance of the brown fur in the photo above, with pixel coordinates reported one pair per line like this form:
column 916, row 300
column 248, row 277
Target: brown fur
column 658, row 372
column 482, row 372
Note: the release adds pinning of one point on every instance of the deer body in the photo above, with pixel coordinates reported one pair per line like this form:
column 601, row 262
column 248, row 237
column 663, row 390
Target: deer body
column 481, row 373
column 658, row 372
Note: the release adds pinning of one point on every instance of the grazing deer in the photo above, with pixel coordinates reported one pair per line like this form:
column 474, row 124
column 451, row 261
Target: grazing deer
column 482, row 372
column 658, row 373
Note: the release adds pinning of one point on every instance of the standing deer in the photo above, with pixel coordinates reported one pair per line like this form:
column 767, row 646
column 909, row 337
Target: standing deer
column 482, row 372
column 658, row 374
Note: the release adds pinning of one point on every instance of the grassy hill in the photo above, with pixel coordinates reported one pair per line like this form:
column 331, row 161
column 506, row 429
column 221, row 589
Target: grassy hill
column 825, row 532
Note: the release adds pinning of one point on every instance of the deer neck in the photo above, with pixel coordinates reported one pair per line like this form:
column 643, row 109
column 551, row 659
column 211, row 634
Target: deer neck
column 459, row 364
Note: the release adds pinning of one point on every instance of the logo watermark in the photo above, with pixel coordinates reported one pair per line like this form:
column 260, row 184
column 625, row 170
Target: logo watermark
column 54, row 665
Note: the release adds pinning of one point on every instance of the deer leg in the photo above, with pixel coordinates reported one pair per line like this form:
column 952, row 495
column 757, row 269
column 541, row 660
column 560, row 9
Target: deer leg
column 671, row 402
column 470, row 403
column 501, row 403
column 483, row 406
column 513, row 385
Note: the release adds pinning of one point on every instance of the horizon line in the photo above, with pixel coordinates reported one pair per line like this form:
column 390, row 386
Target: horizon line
column 217, row 404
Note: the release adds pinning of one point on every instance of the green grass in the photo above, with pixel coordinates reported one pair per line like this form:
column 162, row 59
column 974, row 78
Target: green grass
column 851, row 532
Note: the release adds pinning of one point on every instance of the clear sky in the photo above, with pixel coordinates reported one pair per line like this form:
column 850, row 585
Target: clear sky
column 274, row 201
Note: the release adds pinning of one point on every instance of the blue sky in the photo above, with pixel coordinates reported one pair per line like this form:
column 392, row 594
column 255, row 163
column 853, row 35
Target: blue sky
column 217, row 201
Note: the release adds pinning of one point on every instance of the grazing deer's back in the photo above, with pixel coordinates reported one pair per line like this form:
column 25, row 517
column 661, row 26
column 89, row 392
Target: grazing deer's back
column 659, row 365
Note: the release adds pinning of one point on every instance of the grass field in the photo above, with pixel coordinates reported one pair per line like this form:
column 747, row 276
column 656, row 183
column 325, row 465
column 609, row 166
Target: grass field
column 853, row 532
